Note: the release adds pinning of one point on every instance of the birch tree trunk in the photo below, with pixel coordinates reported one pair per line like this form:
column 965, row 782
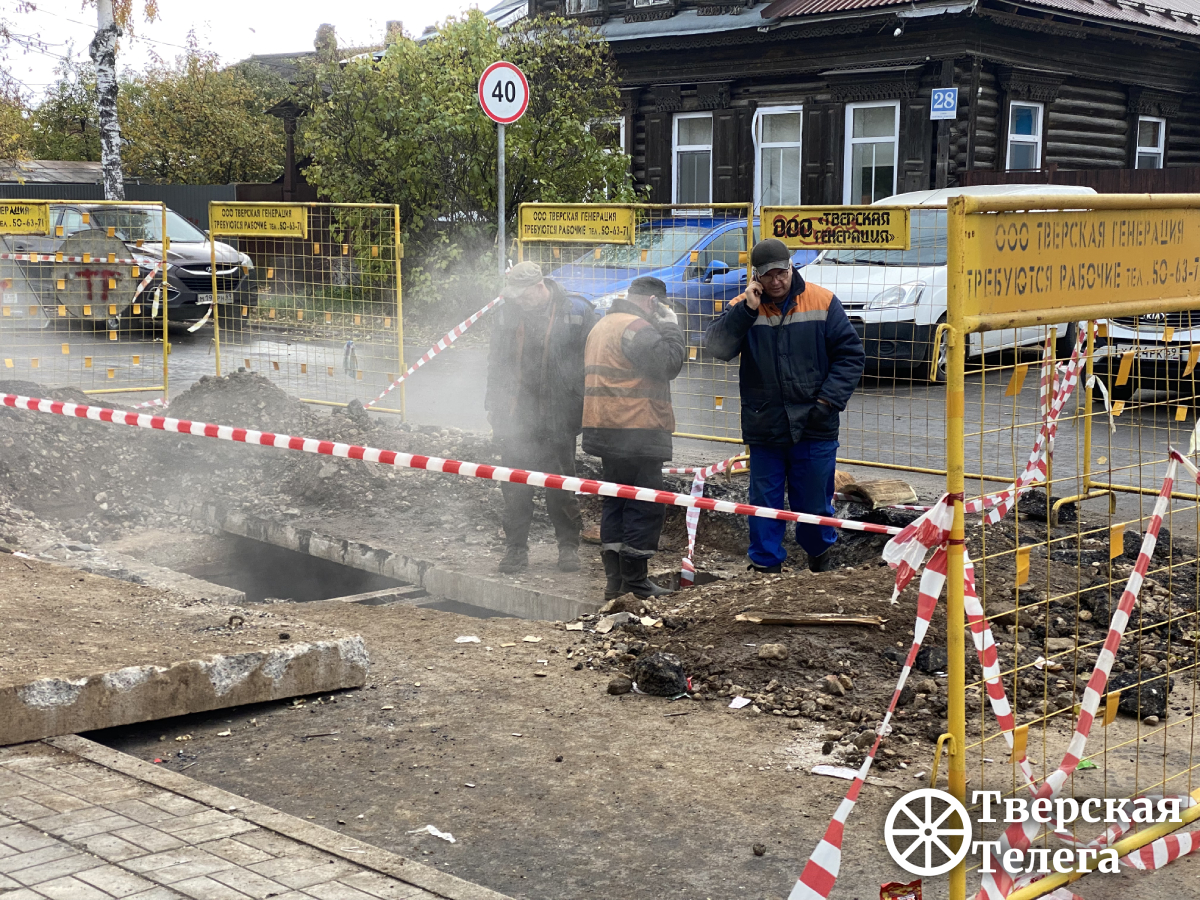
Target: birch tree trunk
column 103, row 51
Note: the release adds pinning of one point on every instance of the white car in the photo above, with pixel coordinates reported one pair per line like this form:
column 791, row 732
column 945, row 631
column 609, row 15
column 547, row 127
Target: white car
column 897, row 298
column 1158, row 363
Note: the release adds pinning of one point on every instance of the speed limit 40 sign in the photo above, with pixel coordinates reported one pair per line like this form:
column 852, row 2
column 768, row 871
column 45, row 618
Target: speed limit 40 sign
column 503, row 92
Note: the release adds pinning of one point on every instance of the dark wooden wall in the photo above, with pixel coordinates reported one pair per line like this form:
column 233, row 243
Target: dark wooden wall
column 1090, row 88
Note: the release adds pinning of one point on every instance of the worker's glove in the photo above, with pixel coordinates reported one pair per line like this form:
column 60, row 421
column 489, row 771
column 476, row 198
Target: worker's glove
column 666, row 314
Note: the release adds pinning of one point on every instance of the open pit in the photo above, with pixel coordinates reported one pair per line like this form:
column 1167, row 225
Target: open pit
column 509, row 740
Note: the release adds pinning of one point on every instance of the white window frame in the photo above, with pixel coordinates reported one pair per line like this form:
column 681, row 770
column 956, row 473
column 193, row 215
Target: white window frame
column 1035, row 140
column 676, row 148
column 1161, row 149
column 642, row 4
column 759, row 146
column 584, row 9
column 848, row 149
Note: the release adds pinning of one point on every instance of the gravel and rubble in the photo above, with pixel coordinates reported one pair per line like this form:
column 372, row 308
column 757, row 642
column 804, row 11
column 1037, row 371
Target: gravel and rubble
column 95, row 483
column 844, row 676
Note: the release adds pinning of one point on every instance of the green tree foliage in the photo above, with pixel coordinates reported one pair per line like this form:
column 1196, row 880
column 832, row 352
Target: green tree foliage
column 16, row 132
column 194, row 122
column 66, row 124
column 190, row 122
column 409, row 130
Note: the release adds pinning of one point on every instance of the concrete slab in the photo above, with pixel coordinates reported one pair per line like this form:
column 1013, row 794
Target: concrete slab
column 81, row 652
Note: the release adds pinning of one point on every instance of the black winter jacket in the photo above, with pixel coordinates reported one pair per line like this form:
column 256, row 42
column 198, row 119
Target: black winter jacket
column 535, row 368
column 792, row 353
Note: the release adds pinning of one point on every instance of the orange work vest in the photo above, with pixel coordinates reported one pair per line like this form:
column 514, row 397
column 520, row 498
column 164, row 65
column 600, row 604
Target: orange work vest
column 615, row 395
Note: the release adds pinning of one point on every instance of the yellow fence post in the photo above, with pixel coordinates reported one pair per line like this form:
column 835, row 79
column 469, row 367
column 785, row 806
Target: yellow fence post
column 956, row 671
column 400, row 306
column 212, row 268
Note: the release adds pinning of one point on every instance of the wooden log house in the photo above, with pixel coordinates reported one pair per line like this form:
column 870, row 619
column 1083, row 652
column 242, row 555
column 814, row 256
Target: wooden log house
column 828, row 101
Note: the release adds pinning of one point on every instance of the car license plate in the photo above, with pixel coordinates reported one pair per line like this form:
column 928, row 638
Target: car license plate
column 207, row 299
column 1168, row 353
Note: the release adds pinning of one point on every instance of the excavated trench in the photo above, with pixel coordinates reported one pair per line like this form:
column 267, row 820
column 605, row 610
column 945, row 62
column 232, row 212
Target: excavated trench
column 298, row 566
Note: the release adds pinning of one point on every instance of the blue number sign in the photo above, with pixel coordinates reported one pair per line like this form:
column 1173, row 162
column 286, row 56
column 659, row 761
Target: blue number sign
column 944, row 104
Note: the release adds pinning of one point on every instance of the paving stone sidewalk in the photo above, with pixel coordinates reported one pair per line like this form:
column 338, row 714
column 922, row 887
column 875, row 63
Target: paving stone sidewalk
column 73, row 829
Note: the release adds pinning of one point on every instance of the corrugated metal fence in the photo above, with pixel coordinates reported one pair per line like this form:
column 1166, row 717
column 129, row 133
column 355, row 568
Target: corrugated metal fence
column 189, row 200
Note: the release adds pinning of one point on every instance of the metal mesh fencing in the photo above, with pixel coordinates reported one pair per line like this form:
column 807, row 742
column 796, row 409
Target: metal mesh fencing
column 1052, row 563
column 700, row 252
column 82, row 294
column 895, row 298
column 313, row 300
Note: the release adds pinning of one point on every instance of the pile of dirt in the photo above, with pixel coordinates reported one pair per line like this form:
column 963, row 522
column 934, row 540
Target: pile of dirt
column 99, row 482
column 845, row 675
column 839, row 675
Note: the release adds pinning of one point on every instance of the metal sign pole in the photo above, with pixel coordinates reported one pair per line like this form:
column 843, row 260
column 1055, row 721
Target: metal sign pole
column 500, row 243
column 504, row 96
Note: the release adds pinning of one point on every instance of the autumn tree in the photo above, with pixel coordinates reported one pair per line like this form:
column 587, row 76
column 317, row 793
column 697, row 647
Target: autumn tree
column 15, row 129
column 194, row 122
column 408, row 130
column 66, row 123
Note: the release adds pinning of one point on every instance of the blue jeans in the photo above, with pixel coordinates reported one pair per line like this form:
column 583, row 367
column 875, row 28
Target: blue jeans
column 806, row 470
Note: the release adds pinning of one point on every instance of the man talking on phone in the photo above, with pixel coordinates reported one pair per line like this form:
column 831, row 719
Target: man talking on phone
column 801, row 361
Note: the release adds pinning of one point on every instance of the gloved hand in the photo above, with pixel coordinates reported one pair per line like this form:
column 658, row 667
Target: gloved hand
column 666, row 314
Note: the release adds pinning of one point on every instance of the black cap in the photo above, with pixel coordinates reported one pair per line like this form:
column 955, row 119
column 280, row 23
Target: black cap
column 646, row 286
column 769, row 254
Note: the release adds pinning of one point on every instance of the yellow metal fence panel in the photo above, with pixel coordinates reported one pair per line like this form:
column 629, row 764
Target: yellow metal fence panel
column 701, row 252
column 81, row 295
column 324, row 317
column 1051, row 572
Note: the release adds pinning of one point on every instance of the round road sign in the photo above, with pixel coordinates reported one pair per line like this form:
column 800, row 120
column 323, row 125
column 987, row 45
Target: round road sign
column 503, row 92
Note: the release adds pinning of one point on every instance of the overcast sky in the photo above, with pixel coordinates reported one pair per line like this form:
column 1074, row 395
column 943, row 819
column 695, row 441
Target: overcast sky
column 234, row 29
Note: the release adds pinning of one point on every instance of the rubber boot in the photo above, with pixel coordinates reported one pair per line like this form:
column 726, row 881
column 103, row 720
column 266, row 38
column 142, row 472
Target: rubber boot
column 635, row 574
column 568, row 558
column 612, row 573
column 827, row 561
column 516, row 559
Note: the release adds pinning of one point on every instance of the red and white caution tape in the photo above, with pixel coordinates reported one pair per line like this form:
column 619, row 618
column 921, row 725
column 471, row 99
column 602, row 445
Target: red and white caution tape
column 998, row 884
column 157, row 401
column 740, row 466
column 145, row 283
column 429, row 463
column 55, row 258
column 687, row 572
column 450, row 337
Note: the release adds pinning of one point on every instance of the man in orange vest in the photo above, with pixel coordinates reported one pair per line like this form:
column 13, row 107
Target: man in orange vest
column 632, row 355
